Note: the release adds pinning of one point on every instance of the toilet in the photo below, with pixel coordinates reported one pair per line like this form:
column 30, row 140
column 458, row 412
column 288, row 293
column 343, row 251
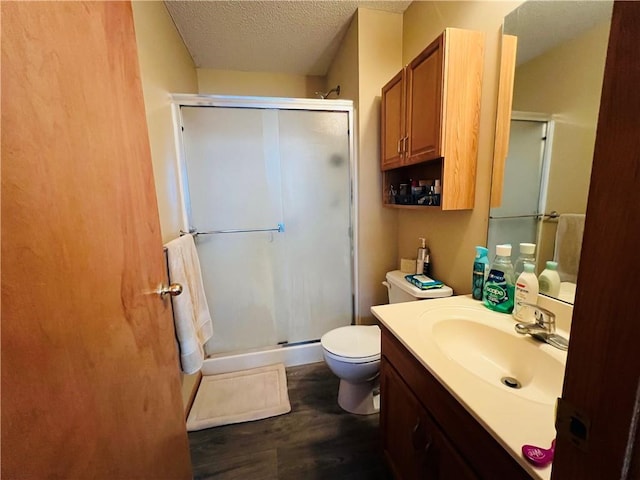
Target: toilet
column 353, row 352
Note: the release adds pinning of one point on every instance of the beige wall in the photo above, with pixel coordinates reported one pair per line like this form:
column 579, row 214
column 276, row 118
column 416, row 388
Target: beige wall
column 452, row 236
column 260, row 84
column 566, row 83
column 369, row 55
column 166, row 67
column 379, row 59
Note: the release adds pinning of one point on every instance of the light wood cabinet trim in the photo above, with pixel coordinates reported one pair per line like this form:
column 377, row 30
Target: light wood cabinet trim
column 503, row 116
column 462, row 91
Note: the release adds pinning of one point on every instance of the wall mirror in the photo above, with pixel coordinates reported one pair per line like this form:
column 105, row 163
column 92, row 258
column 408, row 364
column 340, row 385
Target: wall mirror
column 550, row 88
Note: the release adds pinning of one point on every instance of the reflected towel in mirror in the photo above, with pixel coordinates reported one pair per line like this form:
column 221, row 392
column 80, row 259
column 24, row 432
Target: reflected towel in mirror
column 568, row 245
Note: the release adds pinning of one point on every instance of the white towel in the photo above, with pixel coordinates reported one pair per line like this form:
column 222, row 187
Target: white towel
column 568, row 245
column 190, row 310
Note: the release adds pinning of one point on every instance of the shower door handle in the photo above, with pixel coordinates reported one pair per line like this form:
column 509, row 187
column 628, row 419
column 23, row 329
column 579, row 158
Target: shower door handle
column 173, row 290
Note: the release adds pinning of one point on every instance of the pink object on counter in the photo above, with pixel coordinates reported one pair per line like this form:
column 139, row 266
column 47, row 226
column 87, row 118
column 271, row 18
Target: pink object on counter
column 539, row 456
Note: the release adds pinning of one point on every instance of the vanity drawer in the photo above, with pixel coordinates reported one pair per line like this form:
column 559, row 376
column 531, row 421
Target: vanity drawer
column 486, row 456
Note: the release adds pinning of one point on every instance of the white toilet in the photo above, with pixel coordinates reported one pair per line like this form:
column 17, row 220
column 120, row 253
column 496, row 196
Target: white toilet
column 353, row 352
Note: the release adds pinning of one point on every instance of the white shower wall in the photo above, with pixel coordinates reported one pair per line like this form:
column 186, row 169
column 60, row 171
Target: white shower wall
column 255, row 168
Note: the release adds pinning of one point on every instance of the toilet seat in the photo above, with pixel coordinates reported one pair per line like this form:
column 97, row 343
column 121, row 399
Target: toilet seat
column 353, row 344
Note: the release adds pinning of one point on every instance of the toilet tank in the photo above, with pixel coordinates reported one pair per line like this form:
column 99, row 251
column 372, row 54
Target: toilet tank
column 402, row 291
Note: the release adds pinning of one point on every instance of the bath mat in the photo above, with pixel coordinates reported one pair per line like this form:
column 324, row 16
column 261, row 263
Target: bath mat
column 239, row 397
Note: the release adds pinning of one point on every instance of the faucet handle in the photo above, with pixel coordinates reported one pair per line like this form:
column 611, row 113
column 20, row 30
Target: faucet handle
column 543, row 316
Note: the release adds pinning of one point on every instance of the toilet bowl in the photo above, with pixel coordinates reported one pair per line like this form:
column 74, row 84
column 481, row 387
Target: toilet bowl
column 353, row 355
column 353, row 352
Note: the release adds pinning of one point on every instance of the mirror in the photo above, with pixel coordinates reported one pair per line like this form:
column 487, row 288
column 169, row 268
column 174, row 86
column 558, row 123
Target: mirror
column 542, row 171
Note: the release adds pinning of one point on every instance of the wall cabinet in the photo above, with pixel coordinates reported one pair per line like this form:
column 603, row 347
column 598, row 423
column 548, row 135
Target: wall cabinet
column 426, row 433
column 430, row 115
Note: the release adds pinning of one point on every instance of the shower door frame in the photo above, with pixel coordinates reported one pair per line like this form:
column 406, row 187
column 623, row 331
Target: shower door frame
column 271, row 103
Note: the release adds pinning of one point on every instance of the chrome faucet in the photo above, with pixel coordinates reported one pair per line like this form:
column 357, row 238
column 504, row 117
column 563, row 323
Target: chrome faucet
column 544, row 328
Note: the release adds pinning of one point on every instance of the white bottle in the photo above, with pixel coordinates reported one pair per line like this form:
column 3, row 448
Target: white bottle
column 526, row 292
column 527, row 255
column 549, row 280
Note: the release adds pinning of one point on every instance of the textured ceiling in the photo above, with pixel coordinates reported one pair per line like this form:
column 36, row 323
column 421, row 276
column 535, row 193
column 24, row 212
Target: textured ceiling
column 298, row 37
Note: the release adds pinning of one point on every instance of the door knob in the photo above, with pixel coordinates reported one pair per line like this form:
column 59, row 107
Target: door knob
column 174, row 290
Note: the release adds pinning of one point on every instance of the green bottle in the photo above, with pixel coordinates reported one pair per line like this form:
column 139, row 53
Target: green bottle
column 499, row 289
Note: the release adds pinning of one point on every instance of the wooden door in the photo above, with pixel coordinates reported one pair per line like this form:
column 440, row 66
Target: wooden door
column 424, row 104
column 602, row 379
column 392, row 132
column 90, row 379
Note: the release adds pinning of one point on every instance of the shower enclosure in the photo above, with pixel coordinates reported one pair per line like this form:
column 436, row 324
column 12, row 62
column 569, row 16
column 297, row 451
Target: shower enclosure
column 267, row 187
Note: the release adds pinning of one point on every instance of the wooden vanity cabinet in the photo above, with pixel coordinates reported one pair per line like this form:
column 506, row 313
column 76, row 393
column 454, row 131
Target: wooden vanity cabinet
column 426, row 433
column 414, row 446
column 430, row 112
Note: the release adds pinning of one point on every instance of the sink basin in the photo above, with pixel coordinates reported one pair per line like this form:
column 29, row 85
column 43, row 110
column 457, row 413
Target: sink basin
column 505, row 359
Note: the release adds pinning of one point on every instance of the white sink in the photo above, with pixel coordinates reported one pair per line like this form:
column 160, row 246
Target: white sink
column 469, row 349
column 517, row 364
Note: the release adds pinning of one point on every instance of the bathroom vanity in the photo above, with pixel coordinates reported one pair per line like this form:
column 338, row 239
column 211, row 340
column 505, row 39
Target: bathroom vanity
column 444, row 412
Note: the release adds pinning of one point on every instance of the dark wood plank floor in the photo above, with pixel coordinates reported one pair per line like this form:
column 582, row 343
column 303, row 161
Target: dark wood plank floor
column 317, row 440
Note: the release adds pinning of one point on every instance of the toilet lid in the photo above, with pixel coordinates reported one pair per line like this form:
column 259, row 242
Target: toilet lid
column 354, row 341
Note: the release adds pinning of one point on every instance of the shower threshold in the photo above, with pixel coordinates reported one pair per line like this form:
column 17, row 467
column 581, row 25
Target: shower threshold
column 290, row 354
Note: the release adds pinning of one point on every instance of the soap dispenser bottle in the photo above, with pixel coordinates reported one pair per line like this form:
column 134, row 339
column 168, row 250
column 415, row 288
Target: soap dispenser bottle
column 480, row 271
column 423, row 258
column 499, row 288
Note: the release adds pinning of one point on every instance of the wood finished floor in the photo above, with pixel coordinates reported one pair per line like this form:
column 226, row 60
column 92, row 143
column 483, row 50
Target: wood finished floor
column 316, row 440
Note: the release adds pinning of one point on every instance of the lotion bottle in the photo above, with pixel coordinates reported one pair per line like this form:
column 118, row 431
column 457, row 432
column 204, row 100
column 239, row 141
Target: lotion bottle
column 526, row 292
column 549, row 280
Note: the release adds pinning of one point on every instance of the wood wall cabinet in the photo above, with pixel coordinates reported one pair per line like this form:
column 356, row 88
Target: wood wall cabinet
column 426, row 433
column 430, row 114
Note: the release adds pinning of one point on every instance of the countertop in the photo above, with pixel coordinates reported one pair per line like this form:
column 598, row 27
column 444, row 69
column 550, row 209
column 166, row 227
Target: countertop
column 511, row 419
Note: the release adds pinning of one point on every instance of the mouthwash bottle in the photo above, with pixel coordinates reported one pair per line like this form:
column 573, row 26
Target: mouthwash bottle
column 499, row 288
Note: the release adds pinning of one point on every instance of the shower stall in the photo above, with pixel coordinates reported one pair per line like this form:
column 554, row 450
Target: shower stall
column 267, row 189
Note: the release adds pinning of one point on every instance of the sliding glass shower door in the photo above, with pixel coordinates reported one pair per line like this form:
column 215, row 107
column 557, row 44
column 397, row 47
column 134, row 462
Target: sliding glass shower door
column 273, row 188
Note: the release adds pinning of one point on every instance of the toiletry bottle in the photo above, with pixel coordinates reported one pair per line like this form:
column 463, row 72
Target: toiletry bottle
column 422, row 254
column 549, row 280
column 527, row 255
column 498, row 290
column 480, row 271
column 426, row 265
column 526, row 292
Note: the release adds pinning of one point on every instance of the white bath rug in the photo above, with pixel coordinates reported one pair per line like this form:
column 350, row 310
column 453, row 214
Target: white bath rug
column 239, row 397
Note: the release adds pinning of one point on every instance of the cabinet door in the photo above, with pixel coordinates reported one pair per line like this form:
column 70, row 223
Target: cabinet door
column 392, row 127
column 413, row 445
column 424, row 104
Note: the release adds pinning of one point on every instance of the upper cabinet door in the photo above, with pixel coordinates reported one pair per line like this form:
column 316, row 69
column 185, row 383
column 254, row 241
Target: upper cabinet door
column 392, row 126
column 424, row 105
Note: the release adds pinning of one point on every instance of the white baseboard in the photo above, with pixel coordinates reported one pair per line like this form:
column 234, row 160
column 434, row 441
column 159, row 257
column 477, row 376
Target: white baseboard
column 290, row 356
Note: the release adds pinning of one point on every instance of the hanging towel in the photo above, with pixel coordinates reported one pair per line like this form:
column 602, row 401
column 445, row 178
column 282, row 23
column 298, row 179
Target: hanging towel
column 568, row 245
column 190, row 310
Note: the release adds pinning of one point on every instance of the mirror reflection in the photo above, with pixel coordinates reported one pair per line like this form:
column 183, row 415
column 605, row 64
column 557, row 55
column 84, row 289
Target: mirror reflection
column 561, row 51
